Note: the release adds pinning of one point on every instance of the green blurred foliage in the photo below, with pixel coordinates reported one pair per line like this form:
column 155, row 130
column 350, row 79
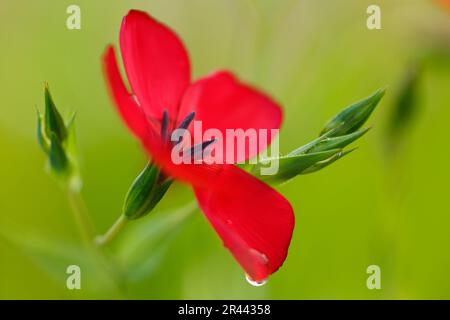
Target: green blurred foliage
column 314, row 57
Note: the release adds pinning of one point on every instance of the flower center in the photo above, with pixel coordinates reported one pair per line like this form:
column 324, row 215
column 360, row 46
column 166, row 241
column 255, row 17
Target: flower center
column 193, row 151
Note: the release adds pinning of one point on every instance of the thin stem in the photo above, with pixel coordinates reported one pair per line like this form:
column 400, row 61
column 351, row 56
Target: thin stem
column 86, row 230
column 115, row 229
column 83, row 221
column 112, row 232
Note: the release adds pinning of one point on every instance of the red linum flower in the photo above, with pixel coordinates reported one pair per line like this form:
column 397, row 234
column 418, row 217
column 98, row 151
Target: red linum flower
column 254, row 221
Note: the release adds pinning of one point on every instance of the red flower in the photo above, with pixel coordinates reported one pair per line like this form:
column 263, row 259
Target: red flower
column 253, row 220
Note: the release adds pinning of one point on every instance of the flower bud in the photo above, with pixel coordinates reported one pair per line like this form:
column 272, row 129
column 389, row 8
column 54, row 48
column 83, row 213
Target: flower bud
column 406, row 104
column 291, row 165
column 145, row 192
column 57, row 155
column 337, row 142
column 41, row 136
column 57, row 141
column 353, row 117
column 54, row 123
column 327, row 148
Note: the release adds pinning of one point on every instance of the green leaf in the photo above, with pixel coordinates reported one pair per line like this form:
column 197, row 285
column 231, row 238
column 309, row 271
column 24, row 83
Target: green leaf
column 57, row 156
column 353, row 117
column 145, row 192
column 53, row 120
column 71, row 123
column 291, row 165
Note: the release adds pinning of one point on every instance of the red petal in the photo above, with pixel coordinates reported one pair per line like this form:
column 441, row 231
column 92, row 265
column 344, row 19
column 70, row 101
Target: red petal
column 131, row 114
column 156, row 63
column 195, row 174
column 221, row 101
column 253, row 220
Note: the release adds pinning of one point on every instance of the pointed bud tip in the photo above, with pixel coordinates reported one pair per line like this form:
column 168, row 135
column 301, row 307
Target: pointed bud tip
column 351, row 118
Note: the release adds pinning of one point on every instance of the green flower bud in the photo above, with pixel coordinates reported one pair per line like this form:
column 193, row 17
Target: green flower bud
column 325, row 163
column 57, row 141
column 327, row 148
column 353, row 117
column 41, row 136
column 145, row 192
column 337, row 142
column 57, row 156
column 405, row 105
column 53, row 120
column 291, row 165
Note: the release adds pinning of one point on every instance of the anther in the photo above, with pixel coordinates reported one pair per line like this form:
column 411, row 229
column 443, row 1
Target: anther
column 198, row 149
column 164, row 125
column 187, row 121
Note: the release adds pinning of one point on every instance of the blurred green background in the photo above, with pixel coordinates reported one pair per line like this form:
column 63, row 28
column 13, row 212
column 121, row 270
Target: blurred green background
column 385, row 204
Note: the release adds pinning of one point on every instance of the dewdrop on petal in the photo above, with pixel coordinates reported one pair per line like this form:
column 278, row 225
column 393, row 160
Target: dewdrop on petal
column 254, row 283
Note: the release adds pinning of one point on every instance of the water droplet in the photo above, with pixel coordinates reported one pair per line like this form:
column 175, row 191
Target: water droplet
column 254, row 283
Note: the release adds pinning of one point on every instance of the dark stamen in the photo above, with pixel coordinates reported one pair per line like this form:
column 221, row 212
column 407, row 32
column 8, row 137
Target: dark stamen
column 185, row 124
column 187, row 121
column 164, row 125
column 197, row 149
column 207, row 143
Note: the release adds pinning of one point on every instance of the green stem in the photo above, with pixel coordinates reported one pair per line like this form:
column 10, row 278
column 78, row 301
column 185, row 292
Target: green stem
column 86, row 230
column 115, row 229
column 82, row 219
column 112, row 232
